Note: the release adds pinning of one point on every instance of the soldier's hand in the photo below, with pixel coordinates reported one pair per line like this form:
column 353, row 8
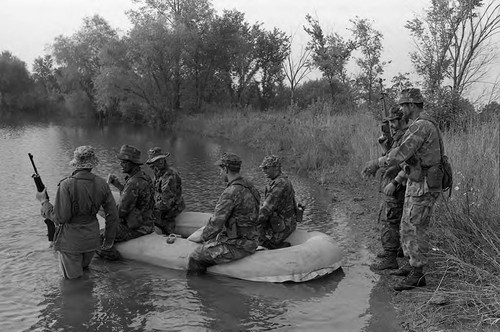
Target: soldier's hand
column 41, row 196
column 389, row 189
column 370, row 168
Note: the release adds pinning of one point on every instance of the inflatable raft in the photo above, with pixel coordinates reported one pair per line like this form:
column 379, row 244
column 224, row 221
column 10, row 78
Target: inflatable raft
column 310, row 256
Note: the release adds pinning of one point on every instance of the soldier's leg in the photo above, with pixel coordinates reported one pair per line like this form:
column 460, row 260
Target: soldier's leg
column 87, row 258
column 389, row 235
column 213, row 253
column 71, row 264
column 415, row 222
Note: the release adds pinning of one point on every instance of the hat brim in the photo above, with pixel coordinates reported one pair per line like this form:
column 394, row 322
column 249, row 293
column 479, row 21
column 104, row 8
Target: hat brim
column 155, row 158
column 219, row 163
column 125, row 157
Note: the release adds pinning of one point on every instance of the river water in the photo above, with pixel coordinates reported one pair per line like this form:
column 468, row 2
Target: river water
column 130, row 296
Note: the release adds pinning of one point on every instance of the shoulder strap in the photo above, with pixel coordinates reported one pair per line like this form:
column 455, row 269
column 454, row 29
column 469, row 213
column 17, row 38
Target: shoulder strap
column 441, row 147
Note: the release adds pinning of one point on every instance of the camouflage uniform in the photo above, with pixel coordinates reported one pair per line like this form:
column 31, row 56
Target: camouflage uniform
column 231, row 233
column 136, row 207
column 169, row 202
column 393, row 203
column 420, row 152
column 277, row 216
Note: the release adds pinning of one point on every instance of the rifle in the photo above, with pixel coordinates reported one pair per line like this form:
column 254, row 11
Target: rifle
column 51, row 228
column 386, row 139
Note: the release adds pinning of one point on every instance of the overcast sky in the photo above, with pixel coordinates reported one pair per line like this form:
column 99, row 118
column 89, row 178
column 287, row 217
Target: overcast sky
column 27, row 26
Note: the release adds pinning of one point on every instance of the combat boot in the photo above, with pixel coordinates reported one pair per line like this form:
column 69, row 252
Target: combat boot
column 389, row 262
column 416, row 278
column 403, row 271
column 381, row 254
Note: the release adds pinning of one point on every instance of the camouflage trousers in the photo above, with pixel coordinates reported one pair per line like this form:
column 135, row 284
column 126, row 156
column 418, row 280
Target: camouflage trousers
column 392, row 220
column 272, row 240
column 213, row 253
column 417, row 213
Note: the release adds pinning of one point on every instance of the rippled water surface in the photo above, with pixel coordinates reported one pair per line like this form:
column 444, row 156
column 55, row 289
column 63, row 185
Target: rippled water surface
column 130, row 296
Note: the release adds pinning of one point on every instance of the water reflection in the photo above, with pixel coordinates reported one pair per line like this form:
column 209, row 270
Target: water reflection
column 129, row 296
column 241, row 305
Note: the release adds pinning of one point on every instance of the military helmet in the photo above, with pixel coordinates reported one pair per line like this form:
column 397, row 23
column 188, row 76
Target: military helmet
column 230, row 160
column 395, row 113
column 410, row 95
column 270, row 161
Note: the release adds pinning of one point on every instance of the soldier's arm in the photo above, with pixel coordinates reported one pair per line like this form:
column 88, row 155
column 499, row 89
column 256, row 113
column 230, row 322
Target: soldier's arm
column 222, row 212
column 417, row 133
column 60, row 212
column 128, row 198
column 111, row 215
column 271, row 201
column 168, row 193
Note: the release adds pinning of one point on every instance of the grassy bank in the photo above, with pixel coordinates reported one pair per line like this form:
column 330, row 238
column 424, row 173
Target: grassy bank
column 334, row 148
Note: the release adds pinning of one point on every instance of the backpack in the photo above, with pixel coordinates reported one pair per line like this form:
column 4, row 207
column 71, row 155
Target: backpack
column 447, row 180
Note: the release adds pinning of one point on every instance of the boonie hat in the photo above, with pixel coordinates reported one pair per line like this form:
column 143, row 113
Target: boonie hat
column 230, row 160
column 84, row 157
column 270, row 161
column 396, row 112
column 130, row 153
column 410, row 95
column 155, row 153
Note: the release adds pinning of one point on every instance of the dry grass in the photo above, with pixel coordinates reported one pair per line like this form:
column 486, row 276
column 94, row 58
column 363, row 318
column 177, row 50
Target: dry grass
column 466, row 258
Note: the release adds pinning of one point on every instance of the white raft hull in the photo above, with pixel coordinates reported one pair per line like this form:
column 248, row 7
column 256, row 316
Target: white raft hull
column 311, row 255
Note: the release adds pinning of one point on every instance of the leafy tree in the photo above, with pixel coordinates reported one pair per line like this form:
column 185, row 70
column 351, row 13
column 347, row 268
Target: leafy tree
column 78, row 56
column 15, row 83
column 272, row 49
column 369, row 43
column 330, row 54
column 453, row 41
column 44, row 75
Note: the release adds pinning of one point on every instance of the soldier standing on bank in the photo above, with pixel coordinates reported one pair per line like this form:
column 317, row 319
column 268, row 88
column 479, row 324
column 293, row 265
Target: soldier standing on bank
column 394, row 185
column 278, row 214
column 420, row 154
column 168, row 199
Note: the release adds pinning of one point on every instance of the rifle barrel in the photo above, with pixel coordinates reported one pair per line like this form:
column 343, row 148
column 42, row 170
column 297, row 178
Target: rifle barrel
column 33, row 163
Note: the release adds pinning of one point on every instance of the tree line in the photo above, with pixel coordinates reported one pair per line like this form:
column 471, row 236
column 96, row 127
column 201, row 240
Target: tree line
column 182, row 56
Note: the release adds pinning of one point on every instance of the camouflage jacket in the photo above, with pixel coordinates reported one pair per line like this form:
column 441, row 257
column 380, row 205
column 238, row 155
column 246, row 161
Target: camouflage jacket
column 137, row 202
column 168, row 193
column 419, row 151
column 395, row 171
column 78, row 199
column 235, row 216
column 279, row 208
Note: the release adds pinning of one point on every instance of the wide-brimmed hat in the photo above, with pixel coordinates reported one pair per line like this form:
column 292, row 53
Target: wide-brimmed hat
column 155, row 153
column 270, row 161
column 395, row 113
column 130, row 153
column 410, row 95
column 84, row 157
column 230, row 160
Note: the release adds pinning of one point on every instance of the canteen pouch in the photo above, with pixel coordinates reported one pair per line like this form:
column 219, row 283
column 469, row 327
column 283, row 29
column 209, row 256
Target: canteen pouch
column 134, row 219
column 434, row 177
column 447, row 181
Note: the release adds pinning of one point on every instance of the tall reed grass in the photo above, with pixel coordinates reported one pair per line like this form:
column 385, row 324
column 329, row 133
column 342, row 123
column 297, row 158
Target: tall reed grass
column 335, row 147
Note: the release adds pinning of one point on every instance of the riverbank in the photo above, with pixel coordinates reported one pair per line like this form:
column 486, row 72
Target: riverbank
column 332, row 149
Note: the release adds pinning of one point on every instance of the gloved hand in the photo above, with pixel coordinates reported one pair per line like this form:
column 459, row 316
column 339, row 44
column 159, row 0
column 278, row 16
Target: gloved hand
column 370, row 169
column 389, row 189
column 42, row 196
column 112, row 179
